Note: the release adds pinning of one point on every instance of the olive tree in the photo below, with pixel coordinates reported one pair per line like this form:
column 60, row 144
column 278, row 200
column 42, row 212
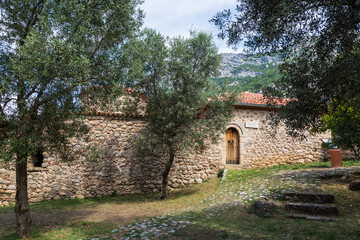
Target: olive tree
column 51, row 51
column 183, row 112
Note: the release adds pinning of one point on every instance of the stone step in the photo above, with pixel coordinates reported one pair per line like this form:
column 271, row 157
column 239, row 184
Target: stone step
column 313, row 208
column 309, row 197
column 355, row 186
column 312, row 218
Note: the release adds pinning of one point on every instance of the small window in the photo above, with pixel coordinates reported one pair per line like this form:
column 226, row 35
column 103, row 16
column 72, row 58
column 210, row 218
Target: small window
column 38, row 158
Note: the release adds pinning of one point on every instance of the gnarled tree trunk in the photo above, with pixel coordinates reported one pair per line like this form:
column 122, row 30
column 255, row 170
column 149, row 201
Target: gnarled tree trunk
column 22, row 209
column 165, row 191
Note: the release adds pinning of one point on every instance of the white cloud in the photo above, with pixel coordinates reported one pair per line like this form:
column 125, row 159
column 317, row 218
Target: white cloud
column 174, row 18
column 186, row 7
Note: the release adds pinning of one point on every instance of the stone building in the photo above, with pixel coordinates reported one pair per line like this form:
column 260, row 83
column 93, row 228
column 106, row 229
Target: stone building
column 247, row 143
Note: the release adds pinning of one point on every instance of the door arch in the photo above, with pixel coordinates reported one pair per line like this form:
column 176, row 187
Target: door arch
column 232, row 141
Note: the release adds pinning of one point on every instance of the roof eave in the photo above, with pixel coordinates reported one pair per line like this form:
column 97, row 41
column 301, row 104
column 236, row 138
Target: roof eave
column 256, row 105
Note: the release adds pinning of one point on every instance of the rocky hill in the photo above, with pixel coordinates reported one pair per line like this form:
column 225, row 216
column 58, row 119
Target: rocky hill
column 248, row 72
column 237, row 64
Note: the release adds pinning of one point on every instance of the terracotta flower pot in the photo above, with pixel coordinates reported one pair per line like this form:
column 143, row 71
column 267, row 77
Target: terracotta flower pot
column 335, row 155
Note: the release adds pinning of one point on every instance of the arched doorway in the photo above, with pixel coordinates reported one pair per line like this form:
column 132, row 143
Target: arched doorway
column 232, row 146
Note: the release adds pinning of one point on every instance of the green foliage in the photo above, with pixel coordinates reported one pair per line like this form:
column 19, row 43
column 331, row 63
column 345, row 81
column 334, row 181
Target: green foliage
column 51, row 53
column 320, row 43
column 344, row 123
column 172, row 76
column 220, row 173
column 255, row 68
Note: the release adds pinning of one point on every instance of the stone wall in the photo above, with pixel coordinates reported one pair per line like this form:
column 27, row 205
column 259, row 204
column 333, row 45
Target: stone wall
column 259, row 147
column 118, row 172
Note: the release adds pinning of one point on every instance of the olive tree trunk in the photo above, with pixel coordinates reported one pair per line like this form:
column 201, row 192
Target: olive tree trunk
column 22, row 209
column 165, row 191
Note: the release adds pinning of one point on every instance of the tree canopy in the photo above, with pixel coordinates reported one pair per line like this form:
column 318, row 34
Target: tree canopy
column 183, row 111
column 344, row 122
column 50, row 52
column 319, row 41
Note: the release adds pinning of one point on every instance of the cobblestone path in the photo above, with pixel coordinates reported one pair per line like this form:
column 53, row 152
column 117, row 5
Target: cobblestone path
column 230, row 193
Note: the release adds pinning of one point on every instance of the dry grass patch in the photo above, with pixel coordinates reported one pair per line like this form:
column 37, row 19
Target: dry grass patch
column 79, row 218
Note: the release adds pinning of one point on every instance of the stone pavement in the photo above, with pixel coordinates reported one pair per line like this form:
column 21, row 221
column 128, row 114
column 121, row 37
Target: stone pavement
column 228, row 195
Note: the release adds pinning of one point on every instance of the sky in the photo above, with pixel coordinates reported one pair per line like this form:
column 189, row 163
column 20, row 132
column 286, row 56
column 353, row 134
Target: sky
column 176, row 17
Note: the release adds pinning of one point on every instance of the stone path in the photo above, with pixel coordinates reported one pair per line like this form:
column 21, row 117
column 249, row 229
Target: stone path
column 229, row 194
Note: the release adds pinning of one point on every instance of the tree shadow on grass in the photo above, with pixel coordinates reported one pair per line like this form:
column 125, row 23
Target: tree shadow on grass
column 74, row 230
column 44, row 219
column 117, row 210
column 93, row 202
column 239, row 223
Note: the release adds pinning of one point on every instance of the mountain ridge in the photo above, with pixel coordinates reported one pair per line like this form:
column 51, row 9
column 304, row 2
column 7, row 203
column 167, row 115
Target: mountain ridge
column 231, row 61
column 250, row 73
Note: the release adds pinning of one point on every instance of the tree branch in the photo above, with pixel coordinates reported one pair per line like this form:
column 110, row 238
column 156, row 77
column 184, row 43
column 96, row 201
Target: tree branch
column 32, row 21
column 7, row 101
column 33, row 90
column 96, row 47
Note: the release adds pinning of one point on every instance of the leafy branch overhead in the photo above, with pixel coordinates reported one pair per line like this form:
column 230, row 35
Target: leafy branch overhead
column 49, row 56
column 319, row 42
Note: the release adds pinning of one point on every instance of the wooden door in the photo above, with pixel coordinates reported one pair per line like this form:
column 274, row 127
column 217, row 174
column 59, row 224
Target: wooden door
column 232, row 146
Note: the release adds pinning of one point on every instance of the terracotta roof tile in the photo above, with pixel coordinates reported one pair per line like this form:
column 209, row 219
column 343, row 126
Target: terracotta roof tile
column 258, row 98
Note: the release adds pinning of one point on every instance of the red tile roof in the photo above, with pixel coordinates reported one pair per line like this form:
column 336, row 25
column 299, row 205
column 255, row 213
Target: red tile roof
column 258, row 98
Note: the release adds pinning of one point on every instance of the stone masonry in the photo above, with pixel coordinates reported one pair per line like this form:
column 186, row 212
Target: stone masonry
column 118, row 172
column 259, row 147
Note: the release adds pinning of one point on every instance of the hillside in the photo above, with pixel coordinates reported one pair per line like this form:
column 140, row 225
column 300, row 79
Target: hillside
column 248, row 72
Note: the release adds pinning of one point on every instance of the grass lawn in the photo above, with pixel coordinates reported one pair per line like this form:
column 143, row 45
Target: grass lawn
column 82, row 218
column 240, row 223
